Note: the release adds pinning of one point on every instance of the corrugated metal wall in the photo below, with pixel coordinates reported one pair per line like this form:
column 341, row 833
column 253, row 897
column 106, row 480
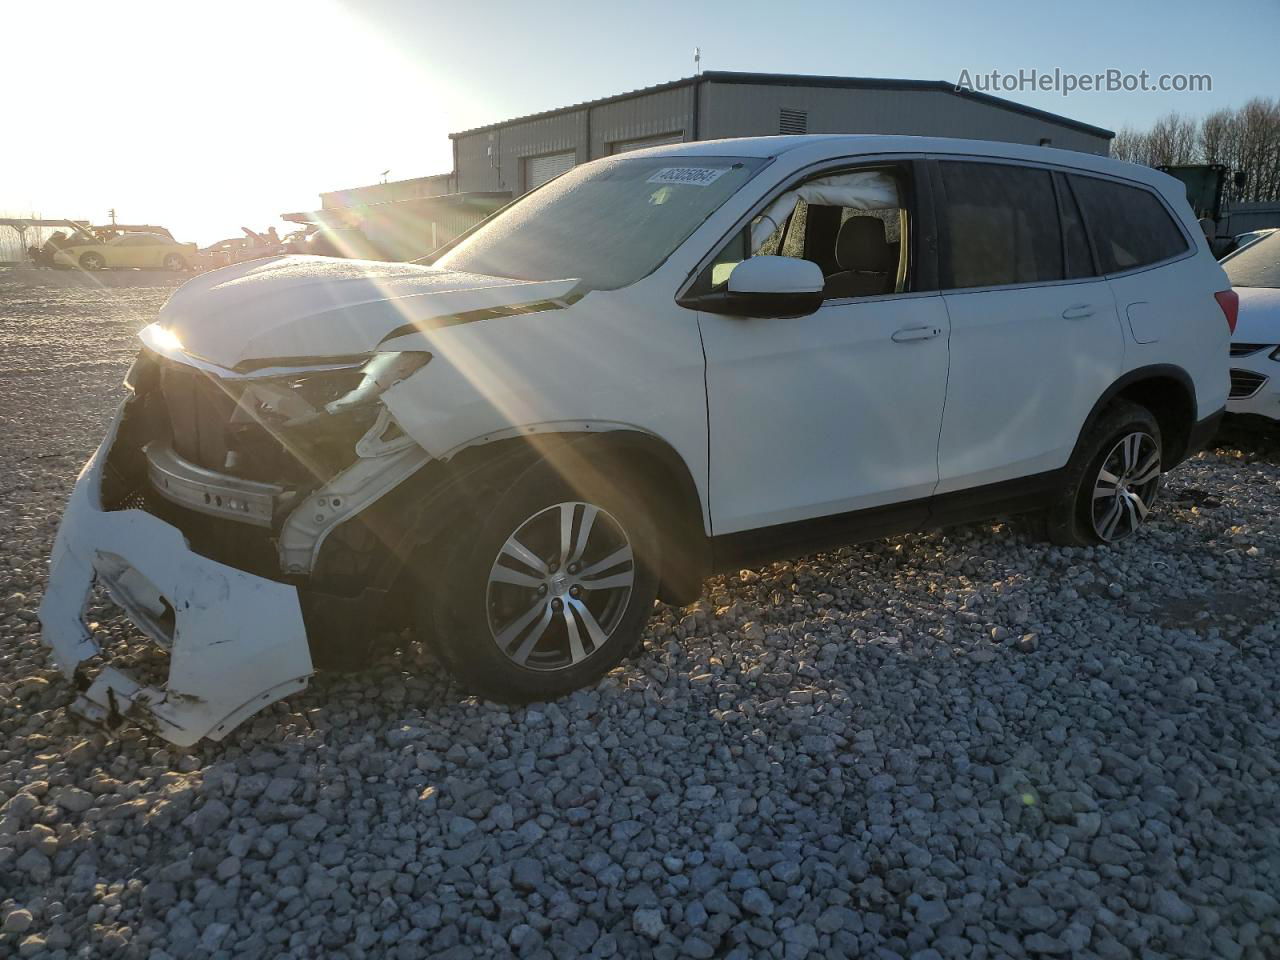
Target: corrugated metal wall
column 651, row 115
column 494, row 159
column 1244, row 217
column 745, row 110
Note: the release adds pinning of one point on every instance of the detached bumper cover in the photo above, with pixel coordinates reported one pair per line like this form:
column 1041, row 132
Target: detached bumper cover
column 236, row 641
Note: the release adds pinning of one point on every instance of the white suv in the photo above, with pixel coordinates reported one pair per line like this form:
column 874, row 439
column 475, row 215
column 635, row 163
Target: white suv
column 681, row 360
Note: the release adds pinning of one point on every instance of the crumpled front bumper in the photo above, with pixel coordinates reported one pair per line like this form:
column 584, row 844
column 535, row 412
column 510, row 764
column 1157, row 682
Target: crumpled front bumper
column 236, row 641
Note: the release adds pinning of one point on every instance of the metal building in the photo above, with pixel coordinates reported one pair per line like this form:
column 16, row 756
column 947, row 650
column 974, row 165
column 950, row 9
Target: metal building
column 518, row 155
column 503, row 160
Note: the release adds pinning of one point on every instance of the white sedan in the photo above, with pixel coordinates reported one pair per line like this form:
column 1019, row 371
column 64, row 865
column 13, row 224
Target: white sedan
column 1255, row 346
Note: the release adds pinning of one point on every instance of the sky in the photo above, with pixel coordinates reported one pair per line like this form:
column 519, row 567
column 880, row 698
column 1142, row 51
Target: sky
column 209, row 116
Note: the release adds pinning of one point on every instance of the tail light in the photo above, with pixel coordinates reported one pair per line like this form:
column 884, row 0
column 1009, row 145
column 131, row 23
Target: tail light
column 1229, row 301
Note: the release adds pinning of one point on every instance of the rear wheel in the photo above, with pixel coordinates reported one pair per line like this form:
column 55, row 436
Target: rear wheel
column 92, row 261
column 175, row 262
column 1113, row 481
column 550, row 593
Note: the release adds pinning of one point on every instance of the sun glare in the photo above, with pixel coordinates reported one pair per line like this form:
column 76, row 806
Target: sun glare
column 206, row 118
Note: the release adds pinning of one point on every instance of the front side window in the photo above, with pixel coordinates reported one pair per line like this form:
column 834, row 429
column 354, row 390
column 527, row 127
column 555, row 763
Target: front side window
column 852, row 224
column 1130, row 227
column 999, row 225
column 608, row 223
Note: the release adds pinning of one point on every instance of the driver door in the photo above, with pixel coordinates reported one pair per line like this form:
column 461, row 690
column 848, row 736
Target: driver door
column 839, row 412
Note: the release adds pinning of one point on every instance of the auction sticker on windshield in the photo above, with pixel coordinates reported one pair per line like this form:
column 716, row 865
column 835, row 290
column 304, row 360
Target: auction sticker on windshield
column 694, row 176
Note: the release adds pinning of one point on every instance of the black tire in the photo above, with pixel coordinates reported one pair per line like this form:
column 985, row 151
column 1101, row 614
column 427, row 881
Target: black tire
column 1080, row 517
column 466, row 609
column 175, row 262
column 92, row 261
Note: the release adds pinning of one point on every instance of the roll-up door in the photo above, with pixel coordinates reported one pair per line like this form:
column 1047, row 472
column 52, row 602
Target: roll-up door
column 538, row 170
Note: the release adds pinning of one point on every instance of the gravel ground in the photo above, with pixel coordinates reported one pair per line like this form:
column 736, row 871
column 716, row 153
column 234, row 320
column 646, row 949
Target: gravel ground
column 959, row 744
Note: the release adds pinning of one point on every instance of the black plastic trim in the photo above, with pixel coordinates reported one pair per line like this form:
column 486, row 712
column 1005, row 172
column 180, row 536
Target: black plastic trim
column 781, row 541
column 1203, row 432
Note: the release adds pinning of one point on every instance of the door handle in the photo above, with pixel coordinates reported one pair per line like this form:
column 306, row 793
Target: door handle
column 915, row 333
column 1078, row 312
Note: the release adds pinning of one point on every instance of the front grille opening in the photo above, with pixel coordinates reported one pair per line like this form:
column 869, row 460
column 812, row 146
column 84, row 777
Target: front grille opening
column 1247, row 349
column 225, row 426
column 1244, row 384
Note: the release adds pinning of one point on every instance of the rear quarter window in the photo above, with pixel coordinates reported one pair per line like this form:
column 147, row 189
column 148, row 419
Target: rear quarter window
column 1130, row 226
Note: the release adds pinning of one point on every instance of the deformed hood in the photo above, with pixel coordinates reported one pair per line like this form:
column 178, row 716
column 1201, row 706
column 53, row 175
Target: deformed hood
column 300, row 307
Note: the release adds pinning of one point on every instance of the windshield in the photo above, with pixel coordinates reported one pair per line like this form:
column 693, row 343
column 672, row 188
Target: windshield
column 608, row 223
column 1257, row 265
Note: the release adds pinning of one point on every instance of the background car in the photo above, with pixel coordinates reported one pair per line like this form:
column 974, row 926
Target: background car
column 147, row 251
column 1255, row 346
column 1242, row 240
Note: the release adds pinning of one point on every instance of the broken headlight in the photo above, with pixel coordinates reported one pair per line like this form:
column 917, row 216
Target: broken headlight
column 380, row 374
column 297, row 400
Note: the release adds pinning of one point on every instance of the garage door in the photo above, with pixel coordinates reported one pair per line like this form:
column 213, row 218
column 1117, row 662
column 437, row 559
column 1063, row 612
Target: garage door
column 622, row 146
column 538, row 170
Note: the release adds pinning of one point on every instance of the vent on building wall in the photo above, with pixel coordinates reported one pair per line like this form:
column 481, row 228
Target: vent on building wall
column 793, row 121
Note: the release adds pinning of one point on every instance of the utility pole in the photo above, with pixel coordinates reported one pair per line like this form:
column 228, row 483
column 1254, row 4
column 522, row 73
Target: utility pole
column 697, row 61
column 384, row 175
column 112, row 214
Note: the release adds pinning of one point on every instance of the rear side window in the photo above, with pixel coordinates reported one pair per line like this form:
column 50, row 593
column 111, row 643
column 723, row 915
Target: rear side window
column 1130, row 226
column 1000, row 225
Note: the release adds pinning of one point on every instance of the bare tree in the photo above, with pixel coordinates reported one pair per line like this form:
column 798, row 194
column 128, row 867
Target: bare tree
column 1245, row 140
column 1172, row 141
column 1130, row 145
column 1217, row 136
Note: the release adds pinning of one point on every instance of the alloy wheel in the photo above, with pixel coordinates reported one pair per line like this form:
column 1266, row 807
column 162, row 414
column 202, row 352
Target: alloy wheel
column 1126, row 485
column 559, row 586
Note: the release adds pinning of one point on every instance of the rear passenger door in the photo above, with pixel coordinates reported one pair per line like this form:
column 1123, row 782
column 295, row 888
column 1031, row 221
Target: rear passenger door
column 1035, row 339
column 1165, row 303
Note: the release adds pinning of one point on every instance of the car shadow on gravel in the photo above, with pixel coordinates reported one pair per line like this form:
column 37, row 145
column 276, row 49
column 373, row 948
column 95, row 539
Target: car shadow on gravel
column 1250, row 436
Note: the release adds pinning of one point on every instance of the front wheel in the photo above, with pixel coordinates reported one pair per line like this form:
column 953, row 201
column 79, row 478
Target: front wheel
column 175, row 262
column 92, row 261
column 1113, row 480
column 550, row 593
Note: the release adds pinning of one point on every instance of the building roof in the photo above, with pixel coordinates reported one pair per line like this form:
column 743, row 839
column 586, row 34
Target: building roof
column 806, row 80
column 390, row 184
column 487, row 200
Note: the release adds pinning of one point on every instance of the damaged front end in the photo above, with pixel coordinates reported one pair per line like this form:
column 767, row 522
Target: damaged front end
column 205, row 515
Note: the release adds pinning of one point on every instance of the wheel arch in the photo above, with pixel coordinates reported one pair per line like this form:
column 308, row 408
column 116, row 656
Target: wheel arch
column 428, row 505
column 1168, row 392
column 627, row 453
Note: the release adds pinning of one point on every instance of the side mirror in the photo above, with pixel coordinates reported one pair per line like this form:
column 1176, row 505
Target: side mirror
column 766, row 287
